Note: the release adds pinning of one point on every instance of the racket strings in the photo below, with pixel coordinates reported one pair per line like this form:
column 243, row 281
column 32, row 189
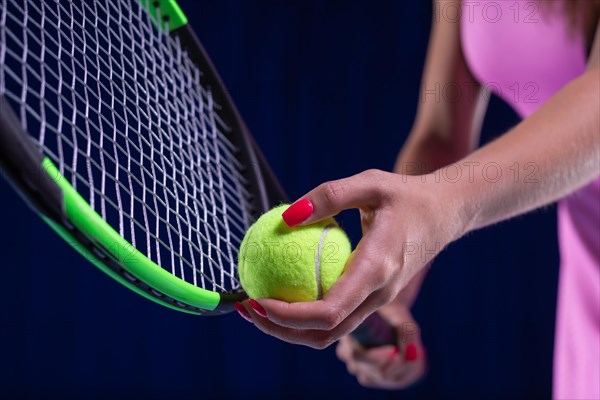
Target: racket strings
column 121, row 110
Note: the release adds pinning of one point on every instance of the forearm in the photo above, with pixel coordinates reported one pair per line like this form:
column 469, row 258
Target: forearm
column 424, row 155
column 427, row 149
column 421, row 155
column 547, row 156
column 444, row 131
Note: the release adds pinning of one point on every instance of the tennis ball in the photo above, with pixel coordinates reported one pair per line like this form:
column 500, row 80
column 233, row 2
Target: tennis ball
column 291, row 264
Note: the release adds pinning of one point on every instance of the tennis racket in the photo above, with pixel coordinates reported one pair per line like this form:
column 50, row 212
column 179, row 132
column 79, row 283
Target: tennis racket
column 118, row 131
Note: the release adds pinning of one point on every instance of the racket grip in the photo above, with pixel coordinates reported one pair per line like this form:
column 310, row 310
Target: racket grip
column 374, row 332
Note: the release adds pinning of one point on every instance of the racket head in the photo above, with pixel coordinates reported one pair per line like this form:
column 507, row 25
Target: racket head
column 40, row 176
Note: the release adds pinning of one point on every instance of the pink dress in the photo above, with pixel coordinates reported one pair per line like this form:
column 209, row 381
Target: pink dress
column 525, row 55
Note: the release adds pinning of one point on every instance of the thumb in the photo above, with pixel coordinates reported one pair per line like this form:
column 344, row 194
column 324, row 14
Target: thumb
column 330, row 198
column 376, row 356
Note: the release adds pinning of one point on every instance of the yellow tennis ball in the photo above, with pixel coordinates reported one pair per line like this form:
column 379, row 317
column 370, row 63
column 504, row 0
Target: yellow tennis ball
column 291, row 264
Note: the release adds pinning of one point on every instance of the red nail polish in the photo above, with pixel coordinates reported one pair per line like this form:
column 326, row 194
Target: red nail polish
column 242, row 311
column 393, row 353
column 257, row 308
column 297, row 212
column 410, row 352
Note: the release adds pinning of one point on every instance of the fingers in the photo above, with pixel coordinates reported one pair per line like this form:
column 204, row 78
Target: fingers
column 381, row 367
column 407, row 367
column 395, row 370
column 349, row 350
column 314, row 338
column 375, row 357
column 367, row 271
column 330, row 198
column 387, row 367
column 409, row 364
column 344, row 349
column 361, row 278
column 360, row 361
column 350, row 300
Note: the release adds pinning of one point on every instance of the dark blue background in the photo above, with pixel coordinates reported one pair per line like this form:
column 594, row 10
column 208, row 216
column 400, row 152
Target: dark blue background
column 328, row 88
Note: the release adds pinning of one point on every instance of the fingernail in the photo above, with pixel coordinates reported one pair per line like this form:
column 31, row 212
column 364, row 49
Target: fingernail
column 242, row 311
column 297, row 212
column 410, row 352
column 257, row 308
column 393, row 353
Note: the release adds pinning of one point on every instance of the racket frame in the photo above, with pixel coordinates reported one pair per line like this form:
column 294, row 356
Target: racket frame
column 42, row 186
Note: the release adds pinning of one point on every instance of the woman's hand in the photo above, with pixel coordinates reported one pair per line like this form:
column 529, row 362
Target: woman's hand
column 387, row 367
column 406, row 221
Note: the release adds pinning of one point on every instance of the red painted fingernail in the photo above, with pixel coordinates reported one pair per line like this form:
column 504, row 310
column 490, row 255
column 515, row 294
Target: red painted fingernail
column 297, row 212
column 393, row 353
column 242, row 311
column 257, row 308
column 410, row 352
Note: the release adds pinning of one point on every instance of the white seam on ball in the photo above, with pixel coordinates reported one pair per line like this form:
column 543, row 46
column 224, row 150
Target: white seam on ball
column 318, row 260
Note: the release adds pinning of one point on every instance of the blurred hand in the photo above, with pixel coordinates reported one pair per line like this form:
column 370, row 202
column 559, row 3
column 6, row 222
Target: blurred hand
column 387, row 367
column 406, row 221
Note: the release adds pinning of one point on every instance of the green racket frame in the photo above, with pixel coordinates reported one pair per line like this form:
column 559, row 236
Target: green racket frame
column 38, row 180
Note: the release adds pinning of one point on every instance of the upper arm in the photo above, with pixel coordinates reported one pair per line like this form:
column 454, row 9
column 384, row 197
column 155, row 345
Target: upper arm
column 452, row 121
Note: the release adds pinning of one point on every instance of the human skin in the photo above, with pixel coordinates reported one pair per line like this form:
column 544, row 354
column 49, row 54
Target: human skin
column 560, row 140
column 443, row 132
